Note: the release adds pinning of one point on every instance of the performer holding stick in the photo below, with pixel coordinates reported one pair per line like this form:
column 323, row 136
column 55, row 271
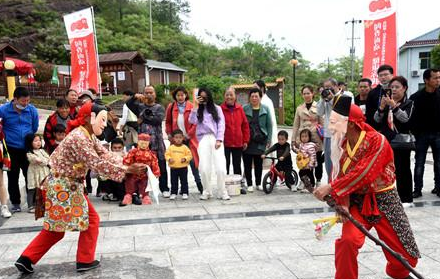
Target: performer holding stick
column 363, row 184
column 67, row 208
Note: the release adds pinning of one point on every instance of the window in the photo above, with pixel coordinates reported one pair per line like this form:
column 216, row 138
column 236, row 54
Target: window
column 162, row 77
column 424, row 60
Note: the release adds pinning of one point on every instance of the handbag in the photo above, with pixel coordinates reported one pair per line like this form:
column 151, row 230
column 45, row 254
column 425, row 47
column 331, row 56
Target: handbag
column 403, row 141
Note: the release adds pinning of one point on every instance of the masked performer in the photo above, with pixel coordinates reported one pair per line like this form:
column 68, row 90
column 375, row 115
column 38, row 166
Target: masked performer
column 363, row 182
column 67, row 208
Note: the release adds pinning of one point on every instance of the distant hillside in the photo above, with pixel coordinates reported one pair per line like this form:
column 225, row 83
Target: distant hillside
column 22, row 22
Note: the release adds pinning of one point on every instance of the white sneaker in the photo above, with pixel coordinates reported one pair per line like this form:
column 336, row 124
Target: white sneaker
column 407, row 204
column 300, row 185
column 259, row 187
column 5, row 211
column 166, row 194
column 173, row 197
column 226, row 197
column 184, row 197
column 250, row 189
column 204, row 197
column 294, row 188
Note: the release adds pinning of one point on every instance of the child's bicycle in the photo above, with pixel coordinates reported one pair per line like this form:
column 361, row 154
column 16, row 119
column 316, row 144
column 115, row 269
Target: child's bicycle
column 270, row 178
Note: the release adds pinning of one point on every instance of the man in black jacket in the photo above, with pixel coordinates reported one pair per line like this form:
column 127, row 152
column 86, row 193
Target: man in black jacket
column 425, row 123
column 385, row 74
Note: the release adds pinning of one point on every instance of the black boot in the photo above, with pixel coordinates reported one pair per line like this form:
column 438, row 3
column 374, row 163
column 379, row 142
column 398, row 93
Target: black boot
column 81, row 267
column 417, row 194
column 136, row 200
column 24, row 265
column 200, row 187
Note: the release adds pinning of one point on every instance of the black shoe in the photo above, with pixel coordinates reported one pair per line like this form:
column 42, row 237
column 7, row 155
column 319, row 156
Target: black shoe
column 417, row 194
column 243, row 191
column 81, row 267
column 200, row 187
column 435, row 191
column 136, row 200
column 409, row 277
column 24, row 265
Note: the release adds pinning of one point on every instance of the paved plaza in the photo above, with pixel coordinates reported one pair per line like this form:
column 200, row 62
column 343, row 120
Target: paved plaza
column 251, row 236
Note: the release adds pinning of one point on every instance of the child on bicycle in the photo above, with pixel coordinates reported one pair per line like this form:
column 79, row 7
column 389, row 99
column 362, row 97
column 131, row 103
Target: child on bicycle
column 306, row 158
column 285, row 165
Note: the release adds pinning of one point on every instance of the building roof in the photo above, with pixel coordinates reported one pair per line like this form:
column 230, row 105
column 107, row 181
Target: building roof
column 428, row 39
column 6, row 45
column 121, row 57
column 63, row 69
column 153, row 64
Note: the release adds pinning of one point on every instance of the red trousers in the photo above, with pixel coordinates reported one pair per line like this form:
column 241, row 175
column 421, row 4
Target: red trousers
column 86, row 244
column 347, row 248
column 133, row 183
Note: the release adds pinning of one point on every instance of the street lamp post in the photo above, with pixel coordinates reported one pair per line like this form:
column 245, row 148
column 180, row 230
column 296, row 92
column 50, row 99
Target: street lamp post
column 294, row 63
column 68, row 49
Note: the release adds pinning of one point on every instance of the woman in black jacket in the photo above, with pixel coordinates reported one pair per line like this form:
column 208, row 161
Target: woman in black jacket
column 393, row 117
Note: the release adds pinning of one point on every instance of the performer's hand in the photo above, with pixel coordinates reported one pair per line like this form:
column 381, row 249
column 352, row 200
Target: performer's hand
column 171, row 160
column 281, row 158
column 136, row 168
column 218, row 144
column 245, row 146
column 183, row 160
column 322, row 191
column 263, row 156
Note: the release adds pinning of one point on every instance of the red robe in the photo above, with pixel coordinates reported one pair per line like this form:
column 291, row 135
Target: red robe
column 367, row 170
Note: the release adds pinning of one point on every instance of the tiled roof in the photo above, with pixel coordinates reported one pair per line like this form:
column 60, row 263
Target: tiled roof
column 427, row 39
column 251, row 85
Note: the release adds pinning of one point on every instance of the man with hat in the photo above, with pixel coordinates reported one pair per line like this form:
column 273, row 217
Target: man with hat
column 363, row 182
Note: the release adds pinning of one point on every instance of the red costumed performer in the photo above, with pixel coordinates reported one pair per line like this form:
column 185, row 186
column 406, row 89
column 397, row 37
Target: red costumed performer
column 363, row 181
column 67, row 208
column 136, row 184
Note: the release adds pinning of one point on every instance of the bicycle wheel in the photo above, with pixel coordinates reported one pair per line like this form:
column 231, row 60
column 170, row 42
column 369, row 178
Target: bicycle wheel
column 295, row 179
column 268, row 184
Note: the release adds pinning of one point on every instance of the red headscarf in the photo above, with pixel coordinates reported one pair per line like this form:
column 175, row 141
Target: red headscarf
column 357, row 117
column 84, row 112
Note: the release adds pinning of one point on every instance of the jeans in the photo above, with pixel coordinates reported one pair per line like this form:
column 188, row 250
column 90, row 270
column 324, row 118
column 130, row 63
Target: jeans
column 402, row 161
column 163, row 179
column 18, row 161
column 318, row 169
column 236, row 159
column 182, row 175
column 423, row 142
column 258, row 166
column 327, row 158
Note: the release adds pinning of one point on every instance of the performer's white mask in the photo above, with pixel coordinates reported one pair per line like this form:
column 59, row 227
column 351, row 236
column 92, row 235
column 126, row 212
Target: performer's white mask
column 98, row 122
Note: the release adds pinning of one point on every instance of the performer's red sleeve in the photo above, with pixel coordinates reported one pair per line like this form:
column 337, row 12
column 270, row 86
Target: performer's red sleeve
column 129, row 158
column 365, row 171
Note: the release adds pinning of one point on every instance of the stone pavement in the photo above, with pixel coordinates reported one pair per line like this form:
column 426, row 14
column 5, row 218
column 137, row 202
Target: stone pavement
column 251, row 236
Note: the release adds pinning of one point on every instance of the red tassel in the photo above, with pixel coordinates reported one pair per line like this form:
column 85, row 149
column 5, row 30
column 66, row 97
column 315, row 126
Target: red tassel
column 369, row 209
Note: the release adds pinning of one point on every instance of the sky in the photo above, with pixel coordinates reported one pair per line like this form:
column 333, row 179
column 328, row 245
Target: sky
column 315, row 28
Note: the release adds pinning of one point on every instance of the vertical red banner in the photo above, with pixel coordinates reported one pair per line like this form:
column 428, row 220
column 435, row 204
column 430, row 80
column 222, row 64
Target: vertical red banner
column 84, row 60
column 380, row 38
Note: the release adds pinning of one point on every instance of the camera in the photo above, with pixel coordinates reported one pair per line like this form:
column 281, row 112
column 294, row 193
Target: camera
column 326, row 93
column 386, row 92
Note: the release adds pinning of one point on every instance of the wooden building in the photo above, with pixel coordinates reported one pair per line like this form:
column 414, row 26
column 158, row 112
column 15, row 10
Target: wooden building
column 274, row 90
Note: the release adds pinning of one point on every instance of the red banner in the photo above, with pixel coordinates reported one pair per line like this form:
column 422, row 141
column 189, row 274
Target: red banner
column 84, row 60
column 380, row 39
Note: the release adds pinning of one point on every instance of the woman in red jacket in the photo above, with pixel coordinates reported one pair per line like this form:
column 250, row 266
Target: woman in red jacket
column 177, row 115
column 236, row 131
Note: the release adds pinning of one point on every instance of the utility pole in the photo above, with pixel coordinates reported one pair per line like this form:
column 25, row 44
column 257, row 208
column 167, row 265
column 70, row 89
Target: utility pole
column 352, row 50
column 151, row 22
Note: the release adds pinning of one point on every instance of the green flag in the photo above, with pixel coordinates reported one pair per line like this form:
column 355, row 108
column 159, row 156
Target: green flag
column 55, row 79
